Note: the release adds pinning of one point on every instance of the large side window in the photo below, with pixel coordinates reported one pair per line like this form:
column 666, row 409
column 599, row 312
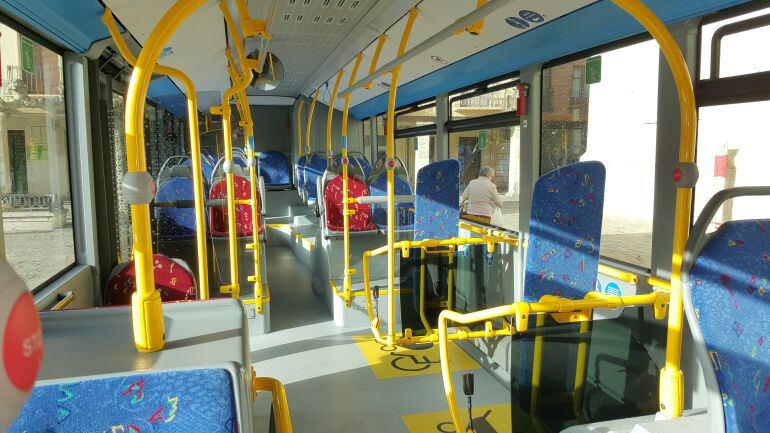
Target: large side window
column 604, row 107
column 484, row 132
column 37, row 233
column 734, row 103
column 415, row 132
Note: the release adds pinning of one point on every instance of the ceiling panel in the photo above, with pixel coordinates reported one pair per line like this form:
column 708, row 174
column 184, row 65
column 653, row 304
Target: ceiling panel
column 197, row 48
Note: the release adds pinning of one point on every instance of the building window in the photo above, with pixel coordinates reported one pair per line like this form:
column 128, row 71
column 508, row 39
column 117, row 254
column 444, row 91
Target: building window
column 37, row 234
column 613, row 121
column 736, row 155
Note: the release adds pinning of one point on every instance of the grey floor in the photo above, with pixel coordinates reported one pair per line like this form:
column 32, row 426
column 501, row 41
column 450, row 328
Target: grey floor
column 330, row 386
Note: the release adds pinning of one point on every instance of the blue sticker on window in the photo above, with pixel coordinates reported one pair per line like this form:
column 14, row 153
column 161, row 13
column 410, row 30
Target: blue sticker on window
column 517, row 22
column 531, row 16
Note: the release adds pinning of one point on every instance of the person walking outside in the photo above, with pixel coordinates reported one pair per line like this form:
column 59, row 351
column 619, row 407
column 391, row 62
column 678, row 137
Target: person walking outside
column 480, row 197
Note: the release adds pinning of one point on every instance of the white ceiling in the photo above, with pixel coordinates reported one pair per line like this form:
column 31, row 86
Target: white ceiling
column 329, row 34
column 433, row 17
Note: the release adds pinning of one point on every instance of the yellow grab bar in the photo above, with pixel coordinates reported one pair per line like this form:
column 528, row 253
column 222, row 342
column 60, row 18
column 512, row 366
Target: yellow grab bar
column 146, row 307
column 671, row 378
column 280, row 402
column 347, row 278
column 618, row 274
column 195, row 147
column 310, row 121
column 376, row 56
column 330, row 116
column 299, row 128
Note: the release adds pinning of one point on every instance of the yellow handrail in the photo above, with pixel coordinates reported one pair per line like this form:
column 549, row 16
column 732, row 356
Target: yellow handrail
column 195, row 147
column 299, row 128
column 147, row 310
column 280, row 402
column 330, row 117
column 618, row 274
column 671, row 378
column 390, row 151
column 376, row 56
column 561, row 309
column 347, row 282
column 310, row 121
column 247, row 125
column 659, row 283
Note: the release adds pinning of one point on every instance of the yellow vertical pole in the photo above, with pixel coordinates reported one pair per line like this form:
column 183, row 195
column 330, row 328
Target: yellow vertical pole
column 330, row 117
column 195, row 148
column 580, row 370
column 376, row 57
column 450, row 294
column 537, row 365
column 391, row 181
column 234, row 288
column 310, row 121
column 671, row 378
column 423, row 317
column 347, row 279
column 146, row 306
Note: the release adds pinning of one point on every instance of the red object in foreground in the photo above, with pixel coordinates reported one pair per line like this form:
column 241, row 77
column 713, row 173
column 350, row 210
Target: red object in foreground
column 173, row 279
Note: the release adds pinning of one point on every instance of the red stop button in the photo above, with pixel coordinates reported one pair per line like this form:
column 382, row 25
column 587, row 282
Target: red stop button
column 677, row 175
column 23, row 344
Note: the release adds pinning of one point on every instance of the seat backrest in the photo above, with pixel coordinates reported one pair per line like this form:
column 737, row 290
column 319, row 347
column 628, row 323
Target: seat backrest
column 207, row 168
column 274, row 168
column 404, row 211
column 437, row 201
column 218, row 172
column 300, row 172
column 175, row 223
column 314, row 171
column 333, row 194
column 565, row 229
column 726, row 276
column 151, row 401
column 218, row 214
column 173, row 278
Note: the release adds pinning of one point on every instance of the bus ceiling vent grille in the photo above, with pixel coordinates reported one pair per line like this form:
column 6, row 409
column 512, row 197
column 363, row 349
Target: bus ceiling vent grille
column 341, row 21
column 340, row 4
column 286, row 17
column 329, row 20
column 292, row 2
column 326, row 3
column 354, row 4
column 306, row 2
column 317, row 18
column 299, row 18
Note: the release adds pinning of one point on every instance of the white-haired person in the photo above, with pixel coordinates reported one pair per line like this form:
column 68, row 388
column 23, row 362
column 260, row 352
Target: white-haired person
column 480, row 199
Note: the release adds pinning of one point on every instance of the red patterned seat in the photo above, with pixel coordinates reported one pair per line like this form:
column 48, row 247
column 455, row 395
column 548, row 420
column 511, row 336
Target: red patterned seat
column 361, row 220
column 173, row 279
column 218, row 214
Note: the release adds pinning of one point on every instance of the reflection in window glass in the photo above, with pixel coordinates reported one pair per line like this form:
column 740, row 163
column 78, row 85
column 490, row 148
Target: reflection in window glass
column 412, row 119
column 741, row 53
column 415, row 153
column 498, row 101
column 381, row 144
column 368, row 138
column 34, row 175
column 121, row 208
column 613, row 121
column 497, row 148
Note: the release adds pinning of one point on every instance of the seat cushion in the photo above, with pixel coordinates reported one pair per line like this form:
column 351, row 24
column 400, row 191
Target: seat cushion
column 172, row 401
column 174, row 281
column 175, row 223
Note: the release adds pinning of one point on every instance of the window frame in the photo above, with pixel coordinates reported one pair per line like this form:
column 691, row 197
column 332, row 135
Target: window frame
column 416, row 130
column 25, row 31
column 584, row 54
column 479, row 89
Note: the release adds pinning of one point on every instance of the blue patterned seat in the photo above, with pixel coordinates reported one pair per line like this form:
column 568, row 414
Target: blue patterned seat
column 188, row 401
column 562, row 259
column 175, row 223
column 437, row 201
column 207, row 168
column 404, row 211
column 726, row 277
column 314, row 172
column 274, row 168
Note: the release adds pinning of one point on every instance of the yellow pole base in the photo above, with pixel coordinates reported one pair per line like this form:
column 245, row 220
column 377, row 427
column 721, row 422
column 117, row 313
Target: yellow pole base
column 671, row 392
column 147, row 320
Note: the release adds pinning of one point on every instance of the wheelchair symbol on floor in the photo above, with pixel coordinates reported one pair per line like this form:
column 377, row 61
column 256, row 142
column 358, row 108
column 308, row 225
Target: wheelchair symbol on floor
column 408, row 362
column 480, row 425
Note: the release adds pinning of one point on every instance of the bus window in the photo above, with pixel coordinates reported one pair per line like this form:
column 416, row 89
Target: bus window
column 605, row 109
column 37, row 235
column 484, row 131
column 732, row 148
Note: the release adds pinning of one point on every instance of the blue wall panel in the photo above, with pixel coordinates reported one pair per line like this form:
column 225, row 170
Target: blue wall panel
column 594, row 25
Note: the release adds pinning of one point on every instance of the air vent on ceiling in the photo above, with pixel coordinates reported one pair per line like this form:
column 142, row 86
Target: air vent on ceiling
column 291, row 2
column 326, row 3
column 329, row 20
column 341, row 21
column 286, row 17
column 340, row 4
column 306, row 2
column 299, row 18
column 354, row 4
column 317, row 18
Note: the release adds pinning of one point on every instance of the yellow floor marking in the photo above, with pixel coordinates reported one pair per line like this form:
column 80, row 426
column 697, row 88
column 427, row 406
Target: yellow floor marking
column 486, row 419
column 403, row 362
